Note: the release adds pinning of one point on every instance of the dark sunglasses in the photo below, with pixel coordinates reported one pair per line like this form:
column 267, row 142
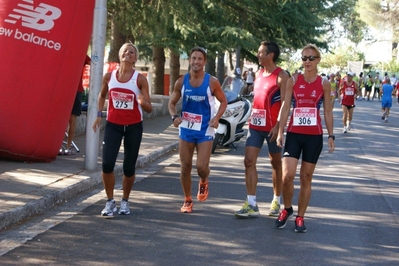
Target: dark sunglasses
column 311, row 58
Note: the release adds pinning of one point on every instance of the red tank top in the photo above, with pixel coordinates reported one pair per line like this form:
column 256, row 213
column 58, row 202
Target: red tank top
column 348, row 94
column 307, row 99
column 267, row 101
column 123, row 107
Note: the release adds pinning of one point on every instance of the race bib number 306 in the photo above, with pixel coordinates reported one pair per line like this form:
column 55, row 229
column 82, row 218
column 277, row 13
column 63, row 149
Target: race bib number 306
column 191, row 121
column 305, row 117
column 258, row 117
column 122, row 100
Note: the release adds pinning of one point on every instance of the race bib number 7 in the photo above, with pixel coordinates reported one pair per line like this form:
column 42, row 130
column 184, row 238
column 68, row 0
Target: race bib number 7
column 258, row 117
column 191, row 121
column 305, row 117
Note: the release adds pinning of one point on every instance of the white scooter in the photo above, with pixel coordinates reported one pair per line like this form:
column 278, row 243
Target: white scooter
column 237, row 113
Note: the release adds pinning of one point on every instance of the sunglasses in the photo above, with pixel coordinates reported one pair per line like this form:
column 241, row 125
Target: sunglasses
column 311, row 58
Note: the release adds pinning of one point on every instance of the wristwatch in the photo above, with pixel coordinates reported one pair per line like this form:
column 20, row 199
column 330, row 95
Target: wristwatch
column 174, row 117
column 331, row 136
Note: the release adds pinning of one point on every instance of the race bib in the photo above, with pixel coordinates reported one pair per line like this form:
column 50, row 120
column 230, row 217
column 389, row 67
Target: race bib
column 258, row 117
column 305, row 117
column 191, row 121
column 349, row 91
column 122, row 100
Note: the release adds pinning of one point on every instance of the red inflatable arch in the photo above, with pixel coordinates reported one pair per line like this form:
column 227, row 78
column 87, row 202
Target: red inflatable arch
column 43, row 44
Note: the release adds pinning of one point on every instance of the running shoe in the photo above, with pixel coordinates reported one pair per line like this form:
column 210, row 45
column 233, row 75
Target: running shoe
column 274, row 208
column 61, row 151
column 110, row 208
column 124, row 209
column 282, row 219
column 386, row 120
column 202, row 191
column 247, row 211
column 345, row 130
column 300, row 225
column 383, row 116
column 187, row 207
column 349, row 127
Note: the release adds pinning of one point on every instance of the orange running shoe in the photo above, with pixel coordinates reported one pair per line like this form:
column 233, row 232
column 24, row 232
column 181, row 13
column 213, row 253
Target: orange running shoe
column 202, row 191
column 187, row 207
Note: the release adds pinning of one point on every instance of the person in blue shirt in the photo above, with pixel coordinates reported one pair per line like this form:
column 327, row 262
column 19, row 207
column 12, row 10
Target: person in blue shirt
column 386, row 100
column 197, row 122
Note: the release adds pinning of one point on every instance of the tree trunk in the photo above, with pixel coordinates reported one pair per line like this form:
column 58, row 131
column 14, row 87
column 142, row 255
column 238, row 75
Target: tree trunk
column 158, row 70
column 117, row 40
column 210, row 65
column 220, row 68
column 174, row 66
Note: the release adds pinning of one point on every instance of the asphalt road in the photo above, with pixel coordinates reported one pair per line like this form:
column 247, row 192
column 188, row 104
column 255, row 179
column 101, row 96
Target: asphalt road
column 352, row 219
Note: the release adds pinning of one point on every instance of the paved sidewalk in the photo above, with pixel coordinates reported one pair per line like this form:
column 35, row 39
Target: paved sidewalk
column 30, row 188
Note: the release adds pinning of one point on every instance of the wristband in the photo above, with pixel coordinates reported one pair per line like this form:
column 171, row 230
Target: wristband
column 331, row 136
column 99, row 114
column 174, row 117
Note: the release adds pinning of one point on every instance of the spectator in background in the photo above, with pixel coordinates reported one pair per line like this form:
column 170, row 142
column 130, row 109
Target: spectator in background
column 368, row 86
column 76, row 111
column 377, row 86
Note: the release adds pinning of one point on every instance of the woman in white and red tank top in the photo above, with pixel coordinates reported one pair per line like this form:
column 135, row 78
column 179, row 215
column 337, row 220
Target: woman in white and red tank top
column 128, row 97
column 306, row 92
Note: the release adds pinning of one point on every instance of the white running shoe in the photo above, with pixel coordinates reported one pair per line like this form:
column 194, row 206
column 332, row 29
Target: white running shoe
column 345, row 130
column 110, row 208
column 124, row 209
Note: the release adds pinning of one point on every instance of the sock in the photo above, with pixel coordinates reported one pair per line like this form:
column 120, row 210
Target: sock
column 110, row 199
column 289, row 210
column 277, row 198
column 251, row 200
column 124, row 199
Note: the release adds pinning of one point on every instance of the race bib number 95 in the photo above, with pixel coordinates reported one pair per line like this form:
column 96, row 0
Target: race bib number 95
column 305, row 117
column 191, row 121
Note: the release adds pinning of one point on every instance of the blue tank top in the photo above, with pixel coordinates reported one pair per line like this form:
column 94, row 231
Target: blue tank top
column 198, row 108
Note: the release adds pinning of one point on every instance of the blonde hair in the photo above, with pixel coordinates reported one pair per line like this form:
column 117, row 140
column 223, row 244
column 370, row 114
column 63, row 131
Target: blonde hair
column 313, row 47
column 129, row 44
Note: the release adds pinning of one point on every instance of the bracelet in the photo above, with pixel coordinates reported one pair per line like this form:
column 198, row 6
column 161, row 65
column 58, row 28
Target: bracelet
column 99, row 114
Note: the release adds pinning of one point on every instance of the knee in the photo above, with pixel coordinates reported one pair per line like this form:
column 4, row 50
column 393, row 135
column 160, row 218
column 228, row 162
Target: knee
column 249, row 162
column 107, row 168
column 203, row 169
column 129, row 172
column 276, row 163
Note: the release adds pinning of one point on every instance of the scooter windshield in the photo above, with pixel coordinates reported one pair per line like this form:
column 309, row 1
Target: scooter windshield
column 232, row 88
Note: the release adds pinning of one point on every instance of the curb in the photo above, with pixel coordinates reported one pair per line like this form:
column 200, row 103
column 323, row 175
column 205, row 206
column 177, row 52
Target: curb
column 79, row 183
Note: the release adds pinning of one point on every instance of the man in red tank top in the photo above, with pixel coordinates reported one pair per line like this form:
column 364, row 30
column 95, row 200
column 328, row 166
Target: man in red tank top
column 269, row 88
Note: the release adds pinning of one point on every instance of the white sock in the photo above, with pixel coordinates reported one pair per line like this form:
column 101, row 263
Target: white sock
column 277, row 198
column 251, row 200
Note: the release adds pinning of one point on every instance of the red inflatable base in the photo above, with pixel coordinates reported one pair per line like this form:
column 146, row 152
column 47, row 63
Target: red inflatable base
column 43, row 45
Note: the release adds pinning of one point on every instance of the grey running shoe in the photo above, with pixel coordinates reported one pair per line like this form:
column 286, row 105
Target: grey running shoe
column 247, row 211
column 69, row 151
column 124, row 209
column 110, row 208
column 274, row 209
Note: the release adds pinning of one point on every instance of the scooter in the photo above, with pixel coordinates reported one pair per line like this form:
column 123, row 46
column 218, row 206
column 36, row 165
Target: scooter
column 237, row 113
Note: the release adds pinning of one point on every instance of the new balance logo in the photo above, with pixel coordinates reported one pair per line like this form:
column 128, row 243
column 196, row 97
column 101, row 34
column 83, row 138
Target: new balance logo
column 40, row 18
